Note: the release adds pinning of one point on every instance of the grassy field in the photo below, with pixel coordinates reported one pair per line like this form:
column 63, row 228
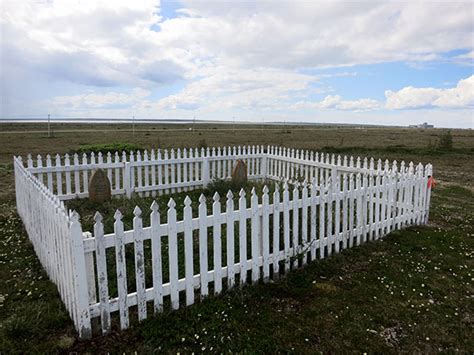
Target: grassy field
column 411, row 292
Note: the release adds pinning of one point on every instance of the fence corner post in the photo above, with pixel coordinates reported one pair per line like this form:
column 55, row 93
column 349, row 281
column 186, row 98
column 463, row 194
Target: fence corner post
column 205, row 171
column 333, row 177
column 127, row 181
column 264, row 165
column 81, row 290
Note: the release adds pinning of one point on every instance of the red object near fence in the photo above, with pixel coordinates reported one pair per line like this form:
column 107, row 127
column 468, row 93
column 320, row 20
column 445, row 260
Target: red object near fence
column 431, row 182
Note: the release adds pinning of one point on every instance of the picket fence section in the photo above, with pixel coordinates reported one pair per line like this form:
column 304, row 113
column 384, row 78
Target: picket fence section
column 56, row 236
column 168, row 171
column 323, row 205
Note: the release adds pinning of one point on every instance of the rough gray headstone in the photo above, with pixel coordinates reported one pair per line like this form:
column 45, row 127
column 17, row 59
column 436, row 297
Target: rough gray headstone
column 99, row 186
column 239, row 174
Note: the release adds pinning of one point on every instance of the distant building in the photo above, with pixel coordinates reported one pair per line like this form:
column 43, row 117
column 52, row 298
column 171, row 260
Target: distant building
column 421, row 125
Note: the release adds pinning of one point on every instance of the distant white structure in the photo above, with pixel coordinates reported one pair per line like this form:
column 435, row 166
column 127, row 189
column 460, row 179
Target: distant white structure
column 421, row 125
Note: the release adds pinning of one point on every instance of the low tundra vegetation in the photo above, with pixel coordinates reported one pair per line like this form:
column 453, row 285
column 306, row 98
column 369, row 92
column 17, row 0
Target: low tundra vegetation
column 410, row 291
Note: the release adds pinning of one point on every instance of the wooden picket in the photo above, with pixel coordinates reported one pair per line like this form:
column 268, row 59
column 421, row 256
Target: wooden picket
column 327, row 203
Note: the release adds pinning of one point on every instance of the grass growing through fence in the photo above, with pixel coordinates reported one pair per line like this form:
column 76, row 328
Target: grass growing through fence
column 411, row 292
column 105, row 148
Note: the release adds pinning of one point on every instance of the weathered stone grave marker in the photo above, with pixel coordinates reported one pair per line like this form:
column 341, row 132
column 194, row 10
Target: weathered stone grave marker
column 99, row 186
column 239, row 174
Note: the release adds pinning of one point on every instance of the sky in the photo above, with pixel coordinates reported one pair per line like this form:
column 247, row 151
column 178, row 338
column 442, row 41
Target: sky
column 371, row 62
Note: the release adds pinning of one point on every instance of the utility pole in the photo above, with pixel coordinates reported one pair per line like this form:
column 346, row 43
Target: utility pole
column 133, row 126
column 233, row 124
column 49, row 125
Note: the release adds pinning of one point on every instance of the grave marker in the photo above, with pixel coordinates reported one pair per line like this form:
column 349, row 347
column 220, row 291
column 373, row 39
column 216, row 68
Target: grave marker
column 99, row 187
column 239, row 174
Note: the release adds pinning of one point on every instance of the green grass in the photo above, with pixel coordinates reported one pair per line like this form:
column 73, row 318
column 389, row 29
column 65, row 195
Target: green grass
column 105, row 148
column 411, row 291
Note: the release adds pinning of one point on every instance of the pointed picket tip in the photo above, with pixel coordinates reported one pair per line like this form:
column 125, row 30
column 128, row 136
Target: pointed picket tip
column 230, row 194
column 265, row 189
column 171, row 203
column 253, row 192
column 137, row 211
column 285, row 185
column 187, row 201
column 118, row 215
column 75, row 216
column 305, row 184
column 98, row 217
column 154, row 206
column 242, row 193
column 202, row 198
column 216, row 197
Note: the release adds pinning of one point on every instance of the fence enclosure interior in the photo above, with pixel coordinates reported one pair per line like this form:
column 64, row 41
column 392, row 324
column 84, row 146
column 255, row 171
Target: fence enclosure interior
column 320, row 205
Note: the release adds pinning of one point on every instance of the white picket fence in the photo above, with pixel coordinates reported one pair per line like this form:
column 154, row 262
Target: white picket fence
column 346, row 203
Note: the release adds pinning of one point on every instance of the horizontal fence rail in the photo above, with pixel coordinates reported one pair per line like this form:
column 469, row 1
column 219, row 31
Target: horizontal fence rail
column 322, row 205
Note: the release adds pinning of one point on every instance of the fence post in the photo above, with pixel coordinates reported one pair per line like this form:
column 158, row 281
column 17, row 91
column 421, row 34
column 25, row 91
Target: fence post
column 127, row 181
column 83, row 320
column 205, row 171
column 264, row 163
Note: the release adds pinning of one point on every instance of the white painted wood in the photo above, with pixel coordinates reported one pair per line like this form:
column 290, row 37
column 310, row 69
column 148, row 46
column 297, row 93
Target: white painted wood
column 203, row 255
column 120, row 261
column 173, row 254
column 243, row 237
column 358, row 207
column 188, row 251
column 59, row 179
column 81, row 311
column 217, row 243
column 322, row 218
column 329, row 218
column 313, row 218
column 265, row 234
column 230, row 240
column 351, row 196
column 286, row 226
column 304, row 223
column 157, row 263
column 345, row 208
column 139, row 263
column 337, row 209
column 276, row 232
column 295, row 229
column 146, row 172
column 101, row 258
column 255, row 235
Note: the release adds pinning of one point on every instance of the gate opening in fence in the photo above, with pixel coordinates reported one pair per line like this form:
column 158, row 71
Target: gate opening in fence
column 318, row 204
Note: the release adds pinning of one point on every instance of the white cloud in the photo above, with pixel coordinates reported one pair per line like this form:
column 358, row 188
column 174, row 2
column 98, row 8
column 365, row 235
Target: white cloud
column 461, row 96
column 99, row 100
column 112, row 42
column 226, row 55
column 243, row 89
column 335, row 102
